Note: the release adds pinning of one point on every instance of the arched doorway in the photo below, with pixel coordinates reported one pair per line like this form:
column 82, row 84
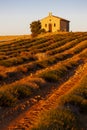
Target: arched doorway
column 50, row 27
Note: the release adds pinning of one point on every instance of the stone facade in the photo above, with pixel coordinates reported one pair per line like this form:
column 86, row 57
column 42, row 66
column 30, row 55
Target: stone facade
column 53, row 23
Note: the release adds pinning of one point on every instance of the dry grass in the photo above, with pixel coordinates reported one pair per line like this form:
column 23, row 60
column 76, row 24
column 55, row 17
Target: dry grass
column 6, row 38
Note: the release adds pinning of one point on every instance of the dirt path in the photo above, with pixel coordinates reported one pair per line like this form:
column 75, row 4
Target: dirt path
column 26, row 120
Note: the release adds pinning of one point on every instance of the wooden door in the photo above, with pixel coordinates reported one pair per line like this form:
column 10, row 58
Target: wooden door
column 50, row 27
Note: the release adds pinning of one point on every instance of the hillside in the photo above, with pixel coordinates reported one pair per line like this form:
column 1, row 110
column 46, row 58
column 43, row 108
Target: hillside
column 43, row 82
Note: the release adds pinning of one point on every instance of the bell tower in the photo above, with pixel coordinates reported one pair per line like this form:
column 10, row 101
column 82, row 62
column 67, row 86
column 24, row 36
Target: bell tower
column 50, row 13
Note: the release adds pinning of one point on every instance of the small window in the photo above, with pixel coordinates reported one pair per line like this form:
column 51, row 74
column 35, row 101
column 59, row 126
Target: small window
column 54, row 25
column 45, row 25
column 49, row 19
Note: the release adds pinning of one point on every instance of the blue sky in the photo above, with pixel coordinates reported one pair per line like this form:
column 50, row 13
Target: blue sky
column 16, row 15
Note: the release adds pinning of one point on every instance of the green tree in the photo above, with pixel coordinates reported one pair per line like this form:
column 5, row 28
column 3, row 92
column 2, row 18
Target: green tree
column 35, row 27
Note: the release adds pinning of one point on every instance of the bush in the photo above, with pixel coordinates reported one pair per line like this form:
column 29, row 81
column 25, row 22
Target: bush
column 50, row 76
column 7, row 99
column 58, row 120
column 35, row 28
column 22, row 91
column 12, row 94
column 59, row 73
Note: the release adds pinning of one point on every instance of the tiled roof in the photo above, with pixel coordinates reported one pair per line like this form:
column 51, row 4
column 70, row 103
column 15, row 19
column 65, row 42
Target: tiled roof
column 61, row 18
column 56, row 17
